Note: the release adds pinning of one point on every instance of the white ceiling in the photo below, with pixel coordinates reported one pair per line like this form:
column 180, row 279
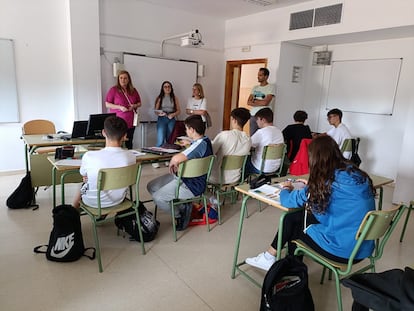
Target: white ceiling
column 222, row 9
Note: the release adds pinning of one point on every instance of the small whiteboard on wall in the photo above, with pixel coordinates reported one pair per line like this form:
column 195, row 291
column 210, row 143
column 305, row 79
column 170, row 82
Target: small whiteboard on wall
column 9, row 105
column 148, row 73
column 365, row 86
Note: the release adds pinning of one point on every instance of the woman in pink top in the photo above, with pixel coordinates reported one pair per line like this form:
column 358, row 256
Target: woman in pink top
column 123, row 99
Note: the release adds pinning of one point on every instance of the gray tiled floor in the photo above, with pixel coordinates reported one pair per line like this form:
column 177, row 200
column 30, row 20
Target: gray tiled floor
column 191, row 274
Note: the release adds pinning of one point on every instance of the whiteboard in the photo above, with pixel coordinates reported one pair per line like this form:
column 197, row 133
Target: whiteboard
column 148, row 73
column 366, row 86
column 8, row 89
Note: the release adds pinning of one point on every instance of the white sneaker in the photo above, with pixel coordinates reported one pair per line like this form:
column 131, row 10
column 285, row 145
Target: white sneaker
column 155, row 165
column 261, row 262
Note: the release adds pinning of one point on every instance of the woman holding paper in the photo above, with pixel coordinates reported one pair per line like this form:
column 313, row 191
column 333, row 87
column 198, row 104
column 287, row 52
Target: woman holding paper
column 167, row 108
column 336, row 198
column 124, row 100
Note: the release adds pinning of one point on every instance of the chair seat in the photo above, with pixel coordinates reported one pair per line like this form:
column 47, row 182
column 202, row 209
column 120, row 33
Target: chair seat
column 333, row 263
column 108, row 210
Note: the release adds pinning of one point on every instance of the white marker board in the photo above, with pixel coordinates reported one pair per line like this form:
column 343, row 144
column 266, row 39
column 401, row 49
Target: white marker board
column 366, row 86
column 148, row 73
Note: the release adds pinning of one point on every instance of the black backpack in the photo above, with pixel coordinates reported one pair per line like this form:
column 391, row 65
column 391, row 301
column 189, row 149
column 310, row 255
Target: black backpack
column 285, row 287
column 128, row 224
column 66, row 240
column 23, row 196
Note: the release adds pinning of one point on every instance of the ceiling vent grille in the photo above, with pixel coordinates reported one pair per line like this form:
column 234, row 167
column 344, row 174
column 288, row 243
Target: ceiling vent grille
column 300, row 20
column 316, row 17
column 328, row 15
column 261, row 2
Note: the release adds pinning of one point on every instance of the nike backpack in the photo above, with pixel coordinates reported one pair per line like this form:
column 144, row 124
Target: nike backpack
column 65, row 240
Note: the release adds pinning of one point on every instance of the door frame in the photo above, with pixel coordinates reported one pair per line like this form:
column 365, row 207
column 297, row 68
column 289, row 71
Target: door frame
column 228, row 89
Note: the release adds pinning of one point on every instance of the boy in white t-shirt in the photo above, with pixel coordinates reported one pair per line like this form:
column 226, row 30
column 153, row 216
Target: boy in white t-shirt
column 111, row 156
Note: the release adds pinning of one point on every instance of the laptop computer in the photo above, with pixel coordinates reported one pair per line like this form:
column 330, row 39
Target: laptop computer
column 78, row 130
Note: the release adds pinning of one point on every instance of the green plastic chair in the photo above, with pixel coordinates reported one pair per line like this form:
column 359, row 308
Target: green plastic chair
column 271, row 152
column 109, row 179
column 229, row 162
column 406, row 220
column 189, row 169
column 377, row 226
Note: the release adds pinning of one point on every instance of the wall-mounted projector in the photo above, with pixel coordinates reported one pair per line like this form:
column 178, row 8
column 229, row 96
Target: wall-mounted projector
column 192, row 39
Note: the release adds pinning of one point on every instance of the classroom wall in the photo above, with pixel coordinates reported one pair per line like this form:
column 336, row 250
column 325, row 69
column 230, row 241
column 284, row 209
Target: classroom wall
column 139, row 27
column 381, row 135
column 40, row 30
column 384, row 138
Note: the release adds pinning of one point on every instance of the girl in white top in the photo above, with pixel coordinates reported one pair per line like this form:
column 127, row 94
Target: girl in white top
column 197, row 104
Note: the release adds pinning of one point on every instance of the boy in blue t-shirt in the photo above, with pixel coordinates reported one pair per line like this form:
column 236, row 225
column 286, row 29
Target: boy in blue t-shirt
column 162, row 188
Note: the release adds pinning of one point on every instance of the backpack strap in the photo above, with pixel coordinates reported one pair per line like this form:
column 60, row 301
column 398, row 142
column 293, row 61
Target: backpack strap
column 38, row 251
column 91, row 257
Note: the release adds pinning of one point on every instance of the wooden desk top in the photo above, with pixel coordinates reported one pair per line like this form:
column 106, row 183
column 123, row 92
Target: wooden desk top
column 41, row 141
column 378, row 181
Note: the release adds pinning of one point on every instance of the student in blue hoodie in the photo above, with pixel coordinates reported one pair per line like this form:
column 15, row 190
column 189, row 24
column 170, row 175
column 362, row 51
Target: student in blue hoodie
column 336, row 198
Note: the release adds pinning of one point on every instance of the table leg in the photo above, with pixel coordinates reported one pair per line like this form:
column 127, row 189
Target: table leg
column 239, row 232
column 279, row 236
column 54, row 185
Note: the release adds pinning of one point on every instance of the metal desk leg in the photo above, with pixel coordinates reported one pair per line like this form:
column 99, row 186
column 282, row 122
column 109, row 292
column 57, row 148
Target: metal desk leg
column 62, row 182
column 54, row 185
column 279, row 236
column 239, row 232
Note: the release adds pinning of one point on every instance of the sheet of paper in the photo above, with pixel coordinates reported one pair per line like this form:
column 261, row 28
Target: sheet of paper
column 69, row 162
column 137, row 153
column 270, row 192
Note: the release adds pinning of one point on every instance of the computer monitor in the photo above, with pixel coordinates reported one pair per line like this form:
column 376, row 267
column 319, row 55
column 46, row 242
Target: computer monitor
column 96, row 124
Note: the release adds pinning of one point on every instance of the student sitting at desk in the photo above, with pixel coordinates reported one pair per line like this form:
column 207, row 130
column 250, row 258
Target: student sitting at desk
column 232, row 142
column 163, row 187
column 112, row 156
column 337, row 197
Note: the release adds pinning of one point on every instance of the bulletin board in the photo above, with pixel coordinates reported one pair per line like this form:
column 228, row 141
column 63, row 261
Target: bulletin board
column 148, row 73
column 365, row 86
column 9, row 104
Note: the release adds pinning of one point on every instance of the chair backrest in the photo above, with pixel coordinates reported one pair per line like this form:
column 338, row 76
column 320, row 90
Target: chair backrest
column 194, row 168
column 347, row 145
column 36, row 127
column 117, row 178
column 378, row 226
column 273, row 152
column 233, row 162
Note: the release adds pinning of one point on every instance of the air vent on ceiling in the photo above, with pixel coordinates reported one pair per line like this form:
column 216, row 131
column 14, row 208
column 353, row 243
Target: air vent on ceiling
column 262, row 2
column 316, row 17
column 328, row 15
column 300, row 20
